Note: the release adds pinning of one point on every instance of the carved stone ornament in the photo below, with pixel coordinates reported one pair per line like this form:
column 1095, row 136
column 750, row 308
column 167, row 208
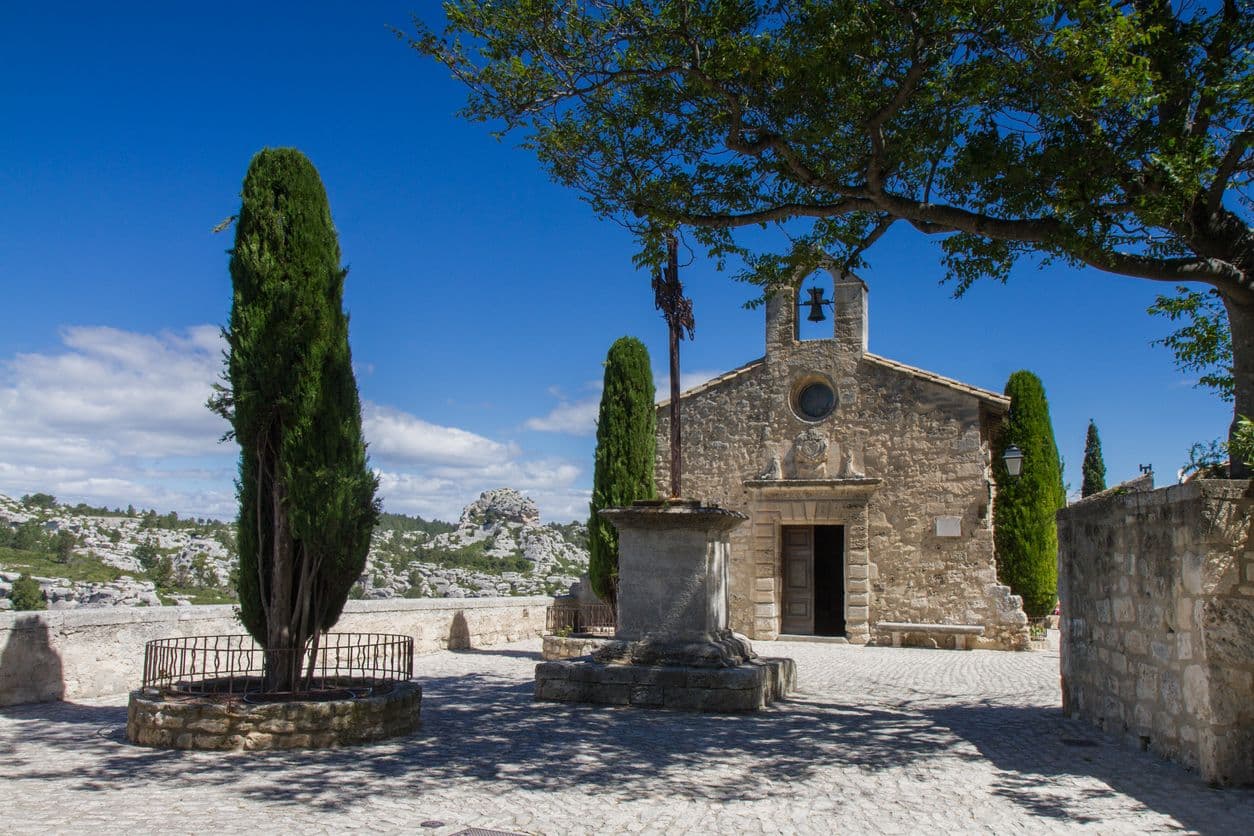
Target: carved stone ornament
column 809, row 455
column 773, row 469
column 848, row 469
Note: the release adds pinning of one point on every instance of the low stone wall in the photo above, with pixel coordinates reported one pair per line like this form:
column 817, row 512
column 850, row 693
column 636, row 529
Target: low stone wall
column 83, row 653
column 181, row 723
column 1157, row 629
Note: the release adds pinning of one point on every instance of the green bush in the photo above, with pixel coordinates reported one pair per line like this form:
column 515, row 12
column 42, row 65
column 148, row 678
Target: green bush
column 27, row 595
column 1025, row 532
column 626, row 446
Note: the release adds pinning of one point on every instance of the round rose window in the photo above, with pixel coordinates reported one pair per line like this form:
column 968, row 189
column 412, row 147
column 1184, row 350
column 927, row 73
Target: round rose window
column 815, row 400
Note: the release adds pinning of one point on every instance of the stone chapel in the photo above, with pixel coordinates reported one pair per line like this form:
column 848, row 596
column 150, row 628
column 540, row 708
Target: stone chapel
column 867, row 485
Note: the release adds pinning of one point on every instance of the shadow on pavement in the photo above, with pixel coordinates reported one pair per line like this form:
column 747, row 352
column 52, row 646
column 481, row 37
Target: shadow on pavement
column 487, row 729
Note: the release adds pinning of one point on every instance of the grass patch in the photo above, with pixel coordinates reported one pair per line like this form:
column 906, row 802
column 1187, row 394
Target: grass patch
column 85, row 568
column 197, row 595
column 472, row 557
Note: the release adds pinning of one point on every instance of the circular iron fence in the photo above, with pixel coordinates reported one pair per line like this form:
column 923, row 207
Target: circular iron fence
column 234, row 665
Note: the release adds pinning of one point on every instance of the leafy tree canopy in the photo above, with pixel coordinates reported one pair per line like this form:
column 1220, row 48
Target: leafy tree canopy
column 1202, row 345
column 1110, row 134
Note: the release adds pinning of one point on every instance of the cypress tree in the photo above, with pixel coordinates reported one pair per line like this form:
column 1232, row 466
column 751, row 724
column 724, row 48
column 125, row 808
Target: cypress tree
column 1094, row 469
column 626, row 446
column 1025, row 532
column 306, row 492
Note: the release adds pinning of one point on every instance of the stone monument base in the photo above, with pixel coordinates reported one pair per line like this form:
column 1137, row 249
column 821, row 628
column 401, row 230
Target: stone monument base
column 719, row 674
column 672, row 647
column 749, row 686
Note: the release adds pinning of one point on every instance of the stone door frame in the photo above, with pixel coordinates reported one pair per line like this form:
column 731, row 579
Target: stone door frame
column 775, row 503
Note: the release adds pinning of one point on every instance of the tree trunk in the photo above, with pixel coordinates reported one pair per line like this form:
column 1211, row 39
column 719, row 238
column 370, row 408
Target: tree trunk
column 282, row 660
column 1241, row 324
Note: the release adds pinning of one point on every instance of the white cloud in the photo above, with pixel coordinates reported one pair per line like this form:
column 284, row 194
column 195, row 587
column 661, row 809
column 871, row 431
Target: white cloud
column 571, row 418
column 404, row 438
column 115, row 418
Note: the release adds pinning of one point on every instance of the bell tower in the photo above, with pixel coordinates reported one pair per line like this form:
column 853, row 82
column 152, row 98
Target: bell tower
column 847, row 307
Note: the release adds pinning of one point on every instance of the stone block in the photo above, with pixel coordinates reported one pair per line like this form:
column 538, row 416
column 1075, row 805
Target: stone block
column 560, row 690
column 616, row 674
column 647, row 696
column 732, row 700
column 1184, row 646
column 552, row 670
column 683, row 699
column 206, row 725
column 662, row 676
column 1196, row 692
column 745, row 676
column 609, row 693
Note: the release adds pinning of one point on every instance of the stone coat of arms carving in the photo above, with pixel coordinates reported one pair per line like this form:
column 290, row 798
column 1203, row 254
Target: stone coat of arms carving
column 809, row 455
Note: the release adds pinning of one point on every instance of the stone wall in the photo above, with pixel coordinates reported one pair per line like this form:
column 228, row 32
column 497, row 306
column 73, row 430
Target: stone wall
column 1157, row 629
column 902, row 450
column 77, row 654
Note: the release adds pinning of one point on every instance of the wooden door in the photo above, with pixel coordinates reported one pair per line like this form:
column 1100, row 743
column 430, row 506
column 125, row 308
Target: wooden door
column 798, row 565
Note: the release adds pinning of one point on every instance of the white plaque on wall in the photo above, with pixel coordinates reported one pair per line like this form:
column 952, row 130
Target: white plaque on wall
column 949, row 526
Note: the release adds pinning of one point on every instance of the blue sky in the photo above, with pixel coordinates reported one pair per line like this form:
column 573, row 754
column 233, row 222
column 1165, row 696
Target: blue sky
column 483, row 297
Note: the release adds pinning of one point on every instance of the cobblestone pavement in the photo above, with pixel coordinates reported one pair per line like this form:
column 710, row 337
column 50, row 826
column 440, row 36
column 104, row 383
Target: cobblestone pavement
column 878, row 740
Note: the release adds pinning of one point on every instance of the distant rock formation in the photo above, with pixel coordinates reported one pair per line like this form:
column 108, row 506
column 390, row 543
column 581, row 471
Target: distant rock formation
column 499, row 547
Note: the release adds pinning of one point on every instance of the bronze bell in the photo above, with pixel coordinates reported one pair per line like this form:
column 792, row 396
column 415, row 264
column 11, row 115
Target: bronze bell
column 816, row 304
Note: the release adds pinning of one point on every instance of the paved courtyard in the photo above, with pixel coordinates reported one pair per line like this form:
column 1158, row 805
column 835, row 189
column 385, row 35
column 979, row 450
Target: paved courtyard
column 876, row 741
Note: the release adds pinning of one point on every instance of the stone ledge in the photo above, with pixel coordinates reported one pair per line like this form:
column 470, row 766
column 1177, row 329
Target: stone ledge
column 177, row 723
column 571, row 647
column 746, row 687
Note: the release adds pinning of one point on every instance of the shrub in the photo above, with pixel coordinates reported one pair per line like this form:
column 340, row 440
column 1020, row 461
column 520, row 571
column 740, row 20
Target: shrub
column 27, row 595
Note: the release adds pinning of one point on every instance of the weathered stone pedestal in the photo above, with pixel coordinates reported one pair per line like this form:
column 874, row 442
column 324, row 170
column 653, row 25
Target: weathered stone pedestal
column 672, row 648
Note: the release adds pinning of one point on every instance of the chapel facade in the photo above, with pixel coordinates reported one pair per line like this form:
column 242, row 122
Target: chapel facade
column 867, row 485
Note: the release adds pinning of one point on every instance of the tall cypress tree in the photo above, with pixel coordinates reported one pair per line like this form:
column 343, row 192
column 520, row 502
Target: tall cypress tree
column 1023, row 516
column 306, row 493
column 1094, row 469
column 626, row 446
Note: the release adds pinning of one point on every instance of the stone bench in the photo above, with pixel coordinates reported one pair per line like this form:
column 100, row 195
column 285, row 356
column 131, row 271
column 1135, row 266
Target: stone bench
column 959, row 631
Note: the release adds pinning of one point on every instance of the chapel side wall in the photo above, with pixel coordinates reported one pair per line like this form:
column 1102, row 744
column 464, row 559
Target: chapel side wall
column 93, row 652
column 1157, row 630
column 928, row 443
column 923, row 440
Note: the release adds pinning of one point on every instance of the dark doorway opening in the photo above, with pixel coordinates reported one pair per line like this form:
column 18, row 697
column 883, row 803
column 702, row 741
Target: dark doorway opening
column 829, row 580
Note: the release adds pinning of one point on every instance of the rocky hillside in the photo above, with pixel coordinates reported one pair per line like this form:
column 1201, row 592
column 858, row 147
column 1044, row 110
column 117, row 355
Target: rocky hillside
column 83, row 556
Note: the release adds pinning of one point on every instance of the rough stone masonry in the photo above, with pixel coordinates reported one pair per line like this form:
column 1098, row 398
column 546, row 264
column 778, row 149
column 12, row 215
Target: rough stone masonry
column 821, row 435
column 1158, row 621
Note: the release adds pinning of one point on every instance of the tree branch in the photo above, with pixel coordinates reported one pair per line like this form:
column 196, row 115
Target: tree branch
column 783, row 212
column 875, row 125
column 1222, row 275
column 1227, row 167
